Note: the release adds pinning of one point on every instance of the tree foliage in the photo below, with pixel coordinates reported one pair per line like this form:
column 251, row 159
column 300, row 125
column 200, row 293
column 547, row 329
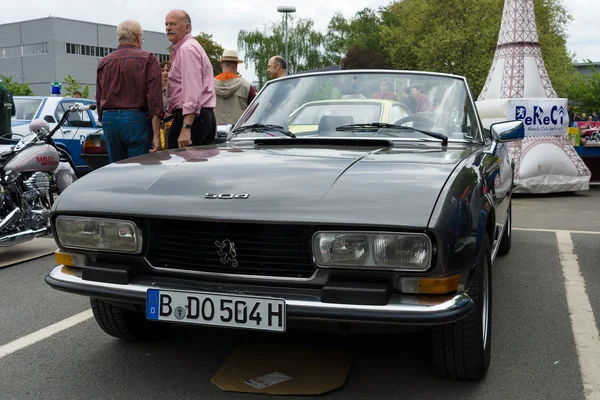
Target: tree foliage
column 461, row 38
column 584, row 91
column 306, row 46
column 359, row 57
column 16, row 89
column 355, row 42
column 71, row 85
column 552, row 19
column 214, row 50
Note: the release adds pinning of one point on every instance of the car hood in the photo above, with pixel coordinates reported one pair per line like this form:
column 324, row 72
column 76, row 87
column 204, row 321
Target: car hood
column 345, row 185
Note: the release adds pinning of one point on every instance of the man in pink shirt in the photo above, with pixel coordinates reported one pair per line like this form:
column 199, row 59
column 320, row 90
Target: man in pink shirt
column 191, row 86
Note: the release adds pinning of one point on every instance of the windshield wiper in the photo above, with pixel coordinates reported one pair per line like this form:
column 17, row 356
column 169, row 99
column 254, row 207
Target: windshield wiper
column 262, row 128
column 436, row 135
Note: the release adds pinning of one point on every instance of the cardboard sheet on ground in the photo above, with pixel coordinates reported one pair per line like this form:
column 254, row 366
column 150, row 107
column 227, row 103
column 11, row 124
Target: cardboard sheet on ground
column 284, row 370
column 26, row 251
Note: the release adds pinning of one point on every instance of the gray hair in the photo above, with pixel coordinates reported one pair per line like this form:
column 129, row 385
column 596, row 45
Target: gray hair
column 128, row 31
column 184, row 15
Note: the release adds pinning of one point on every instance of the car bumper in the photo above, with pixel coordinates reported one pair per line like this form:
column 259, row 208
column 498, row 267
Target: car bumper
column 303, row 304
column 95, row 161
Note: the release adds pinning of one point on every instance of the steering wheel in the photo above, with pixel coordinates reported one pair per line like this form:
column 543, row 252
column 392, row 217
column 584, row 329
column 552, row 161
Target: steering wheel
column 415, row 117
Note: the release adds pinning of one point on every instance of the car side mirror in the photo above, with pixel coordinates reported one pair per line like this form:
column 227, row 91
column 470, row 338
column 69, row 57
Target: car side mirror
column 508, row 131
column 223, row 131
column 50, row 119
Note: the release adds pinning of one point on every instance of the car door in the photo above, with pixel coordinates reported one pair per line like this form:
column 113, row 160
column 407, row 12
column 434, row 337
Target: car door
column 75, row 130
column 496, row 169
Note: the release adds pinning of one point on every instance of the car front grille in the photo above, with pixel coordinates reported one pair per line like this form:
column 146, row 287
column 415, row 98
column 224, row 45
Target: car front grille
column 232, row 248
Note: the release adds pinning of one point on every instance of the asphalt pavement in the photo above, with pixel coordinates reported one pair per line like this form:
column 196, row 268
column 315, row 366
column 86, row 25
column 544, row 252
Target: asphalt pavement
column 534, row 344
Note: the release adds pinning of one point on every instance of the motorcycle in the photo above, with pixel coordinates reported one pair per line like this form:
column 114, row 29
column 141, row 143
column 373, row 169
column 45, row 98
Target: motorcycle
column 32, row 173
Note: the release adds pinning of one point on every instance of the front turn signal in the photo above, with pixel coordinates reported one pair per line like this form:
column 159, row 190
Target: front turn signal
column 443, row 285
column 69, row 259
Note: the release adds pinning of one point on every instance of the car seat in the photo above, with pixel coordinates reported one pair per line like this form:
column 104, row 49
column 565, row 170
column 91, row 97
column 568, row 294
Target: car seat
column 330, row 122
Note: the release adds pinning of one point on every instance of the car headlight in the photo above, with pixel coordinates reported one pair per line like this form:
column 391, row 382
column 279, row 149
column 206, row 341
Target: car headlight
column 99, row 234
column 390, row 251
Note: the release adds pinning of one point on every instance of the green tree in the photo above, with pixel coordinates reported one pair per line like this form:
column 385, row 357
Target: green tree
column 71, row 85
column 351, row 40
column 86, row 92
column 359, row 57
column 552, row 19
column 461, row 38
column 16, row 89
column 584, row 91
column 213, row 49
column 305, row 46
column 338, row 35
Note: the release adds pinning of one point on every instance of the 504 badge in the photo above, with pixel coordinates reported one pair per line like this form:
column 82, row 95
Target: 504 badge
column 226, row 196
column 200, row 308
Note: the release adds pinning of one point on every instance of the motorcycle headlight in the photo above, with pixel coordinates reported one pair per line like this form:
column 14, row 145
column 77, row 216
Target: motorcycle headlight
column 388, row 251
column 99, row 234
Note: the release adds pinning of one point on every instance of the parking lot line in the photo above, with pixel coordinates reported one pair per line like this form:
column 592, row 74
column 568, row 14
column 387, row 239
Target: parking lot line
column 44, row 333
column 556, row 231
column 583, row 323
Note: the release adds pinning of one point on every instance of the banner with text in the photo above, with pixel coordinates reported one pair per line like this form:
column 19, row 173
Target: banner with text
column 541, row 117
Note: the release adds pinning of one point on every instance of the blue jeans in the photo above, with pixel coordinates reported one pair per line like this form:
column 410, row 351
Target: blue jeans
column 128, row 133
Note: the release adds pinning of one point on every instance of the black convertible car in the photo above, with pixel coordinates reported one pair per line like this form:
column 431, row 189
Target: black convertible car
column 323, row 205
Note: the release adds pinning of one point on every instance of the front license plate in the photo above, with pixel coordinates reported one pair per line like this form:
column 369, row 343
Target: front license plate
column 249, row 312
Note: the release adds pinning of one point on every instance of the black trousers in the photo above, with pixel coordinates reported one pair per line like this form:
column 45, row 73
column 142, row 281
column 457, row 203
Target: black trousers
column 203, row 132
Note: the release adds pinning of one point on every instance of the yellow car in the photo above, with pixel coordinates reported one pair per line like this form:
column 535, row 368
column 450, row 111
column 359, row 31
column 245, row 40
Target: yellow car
column 349, row 111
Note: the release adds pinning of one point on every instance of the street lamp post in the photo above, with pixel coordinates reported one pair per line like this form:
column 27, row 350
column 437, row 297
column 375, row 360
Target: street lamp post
column 286, row 10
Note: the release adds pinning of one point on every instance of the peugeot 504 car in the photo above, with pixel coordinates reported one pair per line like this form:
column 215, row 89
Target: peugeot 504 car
column 348, row 222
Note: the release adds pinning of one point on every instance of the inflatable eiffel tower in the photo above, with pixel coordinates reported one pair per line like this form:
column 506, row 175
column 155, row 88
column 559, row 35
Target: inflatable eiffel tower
column 518, row 87
column 518, row 70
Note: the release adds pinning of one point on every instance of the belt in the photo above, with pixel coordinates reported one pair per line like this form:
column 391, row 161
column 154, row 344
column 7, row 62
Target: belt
column 125, row 109
column 180, row 111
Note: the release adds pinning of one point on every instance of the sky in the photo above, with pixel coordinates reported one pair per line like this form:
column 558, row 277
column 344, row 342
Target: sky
column 227, row 18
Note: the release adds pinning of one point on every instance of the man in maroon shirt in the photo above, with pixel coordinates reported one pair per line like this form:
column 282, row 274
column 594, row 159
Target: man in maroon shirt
column 129, row 96
column 385, row 93
column 423, row 102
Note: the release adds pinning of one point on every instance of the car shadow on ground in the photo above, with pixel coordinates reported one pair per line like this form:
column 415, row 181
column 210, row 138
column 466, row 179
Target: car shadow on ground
column 189, row 357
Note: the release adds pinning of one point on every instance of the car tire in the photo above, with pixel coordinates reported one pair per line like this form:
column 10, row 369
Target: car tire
column 125, row 324
column 506, row 241
column 462, row 349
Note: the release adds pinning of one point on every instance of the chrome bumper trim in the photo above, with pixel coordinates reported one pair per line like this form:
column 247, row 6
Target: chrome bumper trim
column 300, row 304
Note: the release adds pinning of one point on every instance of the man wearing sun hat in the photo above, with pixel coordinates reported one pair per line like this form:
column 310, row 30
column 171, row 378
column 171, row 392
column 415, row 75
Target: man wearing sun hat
column 234, row 93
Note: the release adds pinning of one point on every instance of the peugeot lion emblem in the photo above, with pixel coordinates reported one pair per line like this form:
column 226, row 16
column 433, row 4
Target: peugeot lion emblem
column 227, row 252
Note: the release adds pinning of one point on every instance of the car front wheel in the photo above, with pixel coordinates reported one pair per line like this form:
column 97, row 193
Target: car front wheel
column 461, row 350
column 125, row 324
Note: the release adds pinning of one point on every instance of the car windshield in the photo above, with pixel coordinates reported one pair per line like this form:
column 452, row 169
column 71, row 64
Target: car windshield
column 365, row 104
column 26, row 108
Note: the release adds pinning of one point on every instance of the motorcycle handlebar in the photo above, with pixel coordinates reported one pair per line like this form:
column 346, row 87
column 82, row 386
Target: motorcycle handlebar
column 81, row 107
column 73, row 108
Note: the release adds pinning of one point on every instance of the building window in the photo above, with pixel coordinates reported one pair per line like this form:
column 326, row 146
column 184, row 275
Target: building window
column 24, row 50
column 35, row 49
column 9, row 52
column 87, row 50
column 162, row 57
column 96, row 51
